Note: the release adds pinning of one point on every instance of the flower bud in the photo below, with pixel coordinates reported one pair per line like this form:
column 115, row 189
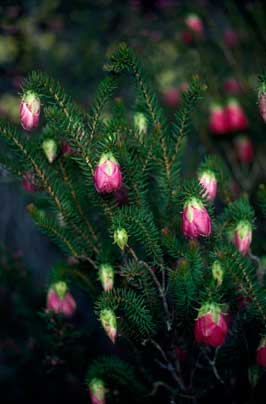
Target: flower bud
column 97, row 391
column 244, row 149
column 171, row 97
column 50, row 149
column 235, row 116
column 30, row 111
column 210, row 326
column 60, row 300
column 231, row 86
column 66, row 149
column 243, row 236
column 262, row 101
column 230, row 38
column 28, row 182
column 195, row 220
column 261, row 353
column 121, row 238
column 108, row 321
column 106, row 276
column 217, row 272
column 194, row 23
column 208, row 180
column 140, row 122
column 217, row 122
column 107, row 176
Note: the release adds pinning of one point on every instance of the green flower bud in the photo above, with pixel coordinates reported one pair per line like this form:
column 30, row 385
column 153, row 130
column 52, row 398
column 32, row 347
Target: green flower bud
column 217, row 272
column 108, row 321
column 121, row 238
column 106, row 276
column 49, row 147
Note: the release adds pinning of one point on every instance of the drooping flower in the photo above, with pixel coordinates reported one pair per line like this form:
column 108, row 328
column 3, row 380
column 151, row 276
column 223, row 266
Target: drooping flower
column 231, row 86
column 121, row 238
column 230, row 38
column 208, row 180
column 194, row 23
column 210, row 326
column 261, row 353
column 30, row 111
column 60, row 300
column 171, row 97
column 235, row 116
column 97, row 391
column 244, row 149
column 107, row 176
column 28, row 182
column 217, row 121
column 106, row 276
column 195, row 220
column 49, row 147
column 243, row 236
column 108, row 321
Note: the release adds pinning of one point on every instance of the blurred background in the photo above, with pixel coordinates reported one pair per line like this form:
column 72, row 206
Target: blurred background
column 71, row 41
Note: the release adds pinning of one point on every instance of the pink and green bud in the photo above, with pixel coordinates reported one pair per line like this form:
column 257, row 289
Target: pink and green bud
column 235, row 116
column 121, row 238
column 218, row 121
column 195, row 219
column 60, row 300
column 108, row 321
column 107, row 176
column 209, row 182
column 261, row 353
column 30, row 110
column 210, row 326
column 49, row 147
column 106, row 276
column 97, row 391
column 243, row 236
column 194, row 23
column 262, row 101
column 217, row 272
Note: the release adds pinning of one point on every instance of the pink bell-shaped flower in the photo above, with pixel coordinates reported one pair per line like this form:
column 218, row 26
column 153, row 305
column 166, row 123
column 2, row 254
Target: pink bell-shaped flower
column 195, row 220
column 107, row 176
column 208, row 180
column 261, row 353
column 194, row 23
column 30, row 111
column 210, row 326
column 235, row 116
column 97, row 391
column 217, row 121
column 243, row 236
column 60, row 300
column 244, row 149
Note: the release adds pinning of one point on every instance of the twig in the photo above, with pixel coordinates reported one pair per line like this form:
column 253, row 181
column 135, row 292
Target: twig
column 213, row 364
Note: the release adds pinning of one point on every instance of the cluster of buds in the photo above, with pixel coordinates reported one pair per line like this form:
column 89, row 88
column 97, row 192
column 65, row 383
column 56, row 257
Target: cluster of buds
column 211, row 326
column 60, row 300
column 225, row 120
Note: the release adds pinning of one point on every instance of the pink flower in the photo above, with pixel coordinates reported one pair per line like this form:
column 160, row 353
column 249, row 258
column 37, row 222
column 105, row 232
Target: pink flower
column 195, row 220
column 107, row 176
column 208, row 180
column 30, row 111
column 244, row 149
column 243, row 236
column 235, row 116
column 262, row 101
column 231, row 86
column 60, row 300
column 194, row 23
column 186, row 37
column 261, row 353
column 210, row 326
column 217, row 122
column 171, row 97
column 230, row 38
column 66, row 149
column 97, row 391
